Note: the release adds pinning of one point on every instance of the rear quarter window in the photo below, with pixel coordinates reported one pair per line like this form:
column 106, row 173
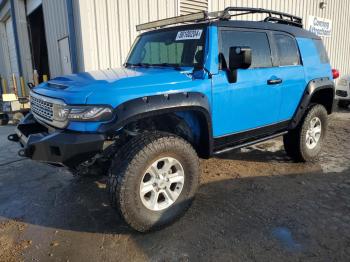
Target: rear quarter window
column 322, row 53
column 287, row 50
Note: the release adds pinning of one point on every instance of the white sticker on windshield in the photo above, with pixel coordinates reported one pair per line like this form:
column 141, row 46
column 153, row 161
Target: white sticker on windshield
column 189, row 34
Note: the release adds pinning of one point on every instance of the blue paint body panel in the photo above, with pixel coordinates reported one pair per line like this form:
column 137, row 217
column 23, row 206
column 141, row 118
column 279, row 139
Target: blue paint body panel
column 313, row 66
column 234, row 107
column 246, row 104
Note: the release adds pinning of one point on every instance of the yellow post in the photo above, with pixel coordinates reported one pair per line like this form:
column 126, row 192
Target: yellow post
column 45, row 78
column 4, row 86
column 23, row 88
column 36, row 78
column 15, row 89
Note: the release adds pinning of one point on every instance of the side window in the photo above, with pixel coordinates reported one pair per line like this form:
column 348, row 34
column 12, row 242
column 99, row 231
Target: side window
column 287, row 50
column 257, row 41
column 321, row 51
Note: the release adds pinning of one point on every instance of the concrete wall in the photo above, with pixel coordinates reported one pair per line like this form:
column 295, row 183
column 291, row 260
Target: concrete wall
column 338, row 11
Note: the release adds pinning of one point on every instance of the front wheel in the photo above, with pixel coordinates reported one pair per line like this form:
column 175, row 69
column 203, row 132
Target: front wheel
column 153, row 180
column 304, row 143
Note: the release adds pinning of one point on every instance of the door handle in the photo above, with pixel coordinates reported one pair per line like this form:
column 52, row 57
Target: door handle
column 275, row 81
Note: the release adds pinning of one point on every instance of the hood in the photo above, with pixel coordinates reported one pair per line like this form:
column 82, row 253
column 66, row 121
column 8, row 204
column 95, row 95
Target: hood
column 114, row 86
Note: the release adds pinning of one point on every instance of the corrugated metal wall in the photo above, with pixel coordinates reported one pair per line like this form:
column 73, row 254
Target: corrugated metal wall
column 338, row 11
column 193, row 6
column 3, row 71
column 56, row 28
column 23, row 39
column 105, row 29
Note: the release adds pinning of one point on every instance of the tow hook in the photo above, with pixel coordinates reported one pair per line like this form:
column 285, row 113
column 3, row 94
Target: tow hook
column 13, row 137
column 22, row 153
column 26, row 152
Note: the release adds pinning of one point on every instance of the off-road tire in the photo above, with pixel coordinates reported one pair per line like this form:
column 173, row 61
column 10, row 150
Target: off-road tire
column 295, row 140
column 4, row 119
column 343, row 103
column 128, row 168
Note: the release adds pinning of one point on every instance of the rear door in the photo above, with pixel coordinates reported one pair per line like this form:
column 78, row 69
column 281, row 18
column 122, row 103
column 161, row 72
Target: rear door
column 253, row 101
column 290, row 71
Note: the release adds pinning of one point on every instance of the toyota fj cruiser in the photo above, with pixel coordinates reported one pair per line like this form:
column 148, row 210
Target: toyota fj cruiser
column 202, row 88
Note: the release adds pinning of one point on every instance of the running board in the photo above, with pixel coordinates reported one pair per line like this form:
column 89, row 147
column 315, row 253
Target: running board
column 249, row 143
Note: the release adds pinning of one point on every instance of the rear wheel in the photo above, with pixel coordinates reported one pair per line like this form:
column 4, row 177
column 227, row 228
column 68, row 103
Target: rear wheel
column 304, row 143
column 153, row 180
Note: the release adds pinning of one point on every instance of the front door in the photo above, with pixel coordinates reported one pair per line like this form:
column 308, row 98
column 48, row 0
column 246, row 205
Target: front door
column 253, row 101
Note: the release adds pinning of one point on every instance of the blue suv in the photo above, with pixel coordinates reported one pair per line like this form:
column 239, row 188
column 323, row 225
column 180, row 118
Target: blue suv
column 198, row 89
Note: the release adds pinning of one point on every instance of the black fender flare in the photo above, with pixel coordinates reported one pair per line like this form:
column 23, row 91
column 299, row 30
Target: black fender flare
column 311, row 89
column 154, row 105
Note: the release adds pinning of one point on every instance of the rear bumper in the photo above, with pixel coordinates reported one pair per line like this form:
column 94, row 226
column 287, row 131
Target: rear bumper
column 342, row 93
column 55, row 146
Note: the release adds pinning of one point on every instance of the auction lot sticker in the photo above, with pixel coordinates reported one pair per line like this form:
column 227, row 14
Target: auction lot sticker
column 189, row 34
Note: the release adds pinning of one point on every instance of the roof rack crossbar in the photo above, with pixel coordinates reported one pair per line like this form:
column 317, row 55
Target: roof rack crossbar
column 280, row 17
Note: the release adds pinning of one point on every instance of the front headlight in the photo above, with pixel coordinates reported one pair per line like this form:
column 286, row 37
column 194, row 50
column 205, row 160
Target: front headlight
column 60, row 112
column 90, row 113
column 82, row 113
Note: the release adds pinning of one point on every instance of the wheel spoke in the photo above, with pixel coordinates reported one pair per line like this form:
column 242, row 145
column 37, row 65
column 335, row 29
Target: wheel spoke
column 154, row 200
column 317, row 130
column 153, row 170
column 169, row 195
column 176, row 178
column 147, row 187
column 313, row 139
column 168, row 163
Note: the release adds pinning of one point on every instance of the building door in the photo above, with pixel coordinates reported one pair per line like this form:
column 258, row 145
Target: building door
column 37, row 37
column 11, row 50
column 66, row 64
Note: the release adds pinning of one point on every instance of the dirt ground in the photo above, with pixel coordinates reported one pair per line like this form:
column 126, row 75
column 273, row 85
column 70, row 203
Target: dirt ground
column 254, row 204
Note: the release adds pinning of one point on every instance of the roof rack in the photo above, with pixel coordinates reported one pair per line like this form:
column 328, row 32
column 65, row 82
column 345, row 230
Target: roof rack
column 280, row 17
column 273, row 16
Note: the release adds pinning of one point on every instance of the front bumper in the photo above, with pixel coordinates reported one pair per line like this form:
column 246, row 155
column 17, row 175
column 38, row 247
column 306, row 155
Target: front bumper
column 55, row 146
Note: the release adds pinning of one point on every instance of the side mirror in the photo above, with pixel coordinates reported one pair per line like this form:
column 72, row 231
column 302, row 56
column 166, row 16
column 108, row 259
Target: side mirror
column 239, row 57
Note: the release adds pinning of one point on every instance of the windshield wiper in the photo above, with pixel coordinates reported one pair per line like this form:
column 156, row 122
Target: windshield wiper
column 175, row 66
column 138, row 65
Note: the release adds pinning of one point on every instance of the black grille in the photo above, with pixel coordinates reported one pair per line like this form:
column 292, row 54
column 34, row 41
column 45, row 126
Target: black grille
column 41, row 108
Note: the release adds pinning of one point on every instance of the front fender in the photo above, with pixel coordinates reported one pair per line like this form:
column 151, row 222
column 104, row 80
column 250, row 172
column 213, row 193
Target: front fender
column 147, row 106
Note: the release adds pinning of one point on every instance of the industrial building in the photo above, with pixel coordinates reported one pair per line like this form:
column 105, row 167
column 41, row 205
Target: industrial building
column 57, row 37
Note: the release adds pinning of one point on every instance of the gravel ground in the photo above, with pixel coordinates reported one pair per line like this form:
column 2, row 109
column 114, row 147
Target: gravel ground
column 254, row 204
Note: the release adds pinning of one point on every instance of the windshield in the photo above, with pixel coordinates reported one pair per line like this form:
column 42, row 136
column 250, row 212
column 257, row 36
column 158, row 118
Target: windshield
column 177, row 47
